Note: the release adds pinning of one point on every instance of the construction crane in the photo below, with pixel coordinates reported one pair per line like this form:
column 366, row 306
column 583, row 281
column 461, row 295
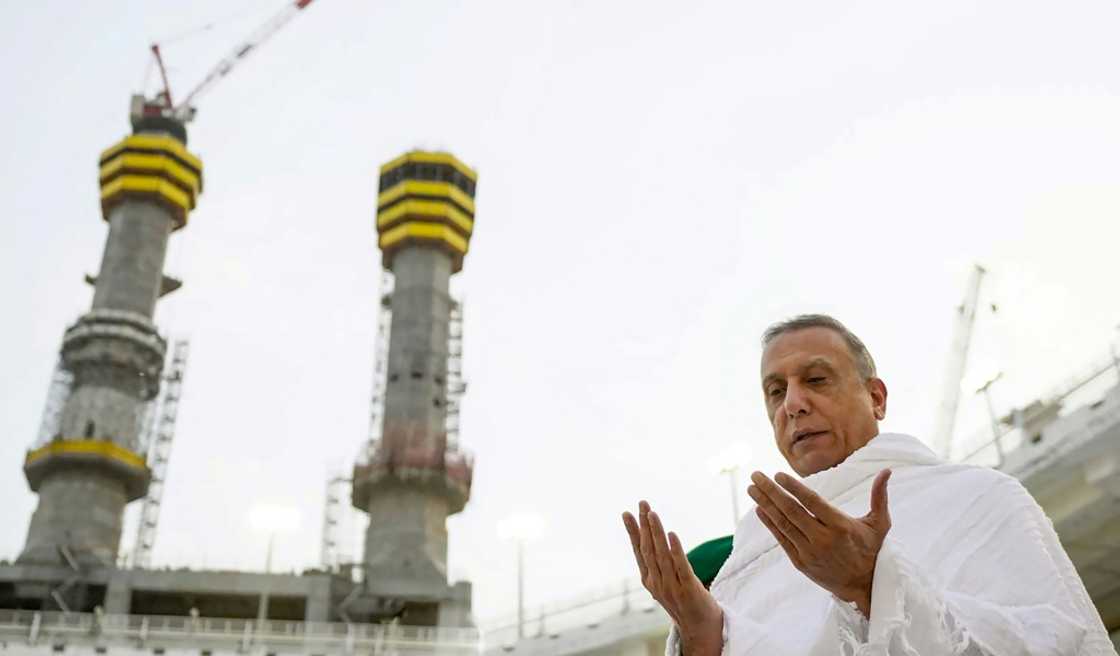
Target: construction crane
column 163, row 104
column 954, row 370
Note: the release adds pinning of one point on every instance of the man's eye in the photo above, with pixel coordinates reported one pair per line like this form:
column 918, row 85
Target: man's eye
column 817, row 379
column 776, row 391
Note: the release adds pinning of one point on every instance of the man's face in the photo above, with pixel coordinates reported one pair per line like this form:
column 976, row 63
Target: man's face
column 819, row 405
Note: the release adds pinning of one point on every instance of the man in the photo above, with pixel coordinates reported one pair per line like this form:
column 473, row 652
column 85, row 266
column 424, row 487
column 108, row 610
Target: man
column 961, row 560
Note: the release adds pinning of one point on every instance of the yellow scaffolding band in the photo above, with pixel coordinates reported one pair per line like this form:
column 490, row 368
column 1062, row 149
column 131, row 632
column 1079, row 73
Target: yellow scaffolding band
column 147, row 184
column 154, row 142
column 102, row 448
column 154, row 165
column 425, row 209
column 426, row 188
column 422, row 157
column 417, row 230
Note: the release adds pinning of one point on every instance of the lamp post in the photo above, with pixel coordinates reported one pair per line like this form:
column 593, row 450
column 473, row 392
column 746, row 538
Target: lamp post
column 1115, row 356
column 522, row 528
column 271, row 520
column 733, row 477
column 985, row 390
column 728, row 462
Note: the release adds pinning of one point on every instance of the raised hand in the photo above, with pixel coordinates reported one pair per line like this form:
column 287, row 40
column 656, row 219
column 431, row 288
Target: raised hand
column 836, row 551
column 668, row 576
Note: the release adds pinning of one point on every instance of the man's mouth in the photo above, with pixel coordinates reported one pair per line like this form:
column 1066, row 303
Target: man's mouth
column 802, row 435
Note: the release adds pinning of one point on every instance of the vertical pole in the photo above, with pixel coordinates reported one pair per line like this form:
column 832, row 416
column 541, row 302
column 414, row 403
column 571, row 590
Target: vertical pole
column 1115, row 359
column 734, row 478
column 995, row 424
column 520, row 589
column 262, row 608
column 268, row 556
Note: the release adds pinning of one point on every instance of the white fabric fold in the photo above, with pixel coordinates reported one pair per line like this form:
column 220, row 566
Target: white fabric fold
column 971, row 567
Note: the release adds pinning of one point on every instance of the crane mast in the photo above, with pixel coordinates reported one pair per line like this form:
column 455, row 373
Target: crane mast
column 954, row 370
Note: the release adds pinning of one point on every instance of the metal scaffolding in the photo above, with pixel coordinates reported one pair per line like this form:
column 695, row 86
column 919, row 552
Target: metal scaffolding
column 380, row 361
column 50, row 427
column 331, row 552
column 161, row 432
column 454, row 386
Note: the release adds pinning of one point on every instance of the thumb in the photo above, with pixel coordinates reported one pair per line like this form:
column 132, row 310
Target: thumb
column 880, row 515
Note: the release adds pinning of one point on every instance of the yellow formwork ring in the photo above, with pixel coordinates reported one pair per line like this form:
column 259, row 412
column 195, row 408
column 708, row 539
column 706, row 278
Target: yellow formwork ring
column 176, row 200
column 102, row 448
column 423, row 157
column 154, row 142
column 154, row 165
column 424, row 209
column 147, row 184
column 435, row 232
column 426, row 188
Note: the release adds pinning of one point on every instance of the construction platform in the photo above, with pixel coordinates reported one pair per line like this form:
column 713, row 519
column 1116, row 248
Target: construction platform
column 314, row 596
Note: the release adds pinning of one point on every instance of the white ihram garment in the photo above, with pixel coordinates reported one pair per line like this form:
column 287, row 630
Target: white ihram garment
column 971, row 567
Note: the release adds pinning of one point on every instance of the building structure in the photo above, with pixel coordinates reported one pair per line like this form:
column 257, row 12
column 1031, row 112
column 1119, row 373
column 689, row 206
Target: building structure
column 410, row 478
column 94, row 464
column 92, row 456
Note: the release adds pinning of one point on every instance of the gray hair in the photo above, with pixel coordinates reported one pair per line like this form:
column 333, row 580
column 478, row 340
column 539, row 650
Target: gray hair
column 865, row 364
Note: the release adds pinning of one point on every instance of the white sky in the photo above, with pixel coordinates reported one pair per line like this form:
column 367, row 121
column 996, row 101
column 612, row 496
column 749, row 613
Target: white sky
column 658, row 182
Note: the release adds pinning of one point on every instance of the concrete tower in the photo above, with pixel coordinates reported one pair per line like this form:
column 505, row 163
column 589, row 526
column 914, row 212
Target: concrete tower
column 95, row 464
column 412, row 480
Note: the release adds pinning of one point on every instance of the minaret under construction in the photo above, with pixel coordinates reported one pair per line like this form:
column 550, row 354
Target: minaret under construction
column 412, row 479
column 94, row 462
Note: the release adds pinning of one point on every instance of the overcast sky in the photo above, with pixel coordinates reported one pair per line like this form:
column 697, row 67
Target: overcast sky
column 658, row 182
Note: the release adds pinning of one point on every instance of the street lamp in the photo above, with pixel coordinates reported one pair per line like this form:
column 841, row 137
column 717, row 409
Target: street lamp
column 728, row 462
column 271, row 520
column 522, row 527
column 1115, row 356
column 985, row 390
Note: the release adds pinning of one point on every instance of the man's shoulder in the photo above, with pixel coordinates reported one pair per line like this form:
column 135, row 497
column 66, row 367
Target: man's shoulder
column 960, row 482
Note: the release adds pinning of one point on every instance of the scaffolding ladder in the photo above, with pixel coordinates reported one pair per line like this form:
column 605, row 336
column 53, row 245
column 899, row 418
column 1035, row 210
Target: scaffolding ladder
column 454, row 384
column 380, row 362
column 161, row 432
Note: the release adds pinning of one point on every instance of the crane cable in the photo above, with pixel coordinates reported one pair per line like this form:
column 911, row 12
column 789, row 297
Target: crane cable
column 256, row 8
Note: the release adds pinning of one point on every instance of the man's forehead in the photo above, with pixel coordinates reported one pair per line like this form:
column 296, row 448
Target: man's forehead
column 792, row 364
column 801, row 349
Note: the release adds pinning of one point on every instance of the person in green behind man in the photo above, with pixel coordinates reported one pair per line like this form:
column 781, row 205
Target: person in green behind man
column 959, row 560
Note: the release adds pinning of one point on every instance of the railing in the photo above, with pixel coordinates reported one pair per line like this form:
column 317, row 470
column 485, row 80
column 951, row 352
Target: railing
column 45, row 627
column 983, row 446
column 588, row 610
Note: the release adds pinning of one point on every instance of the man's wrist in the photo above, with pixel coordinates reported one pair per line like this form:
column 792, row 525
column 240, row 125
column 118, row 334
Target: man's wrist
column 703, row 641
column 702, row 646
column 861, row 597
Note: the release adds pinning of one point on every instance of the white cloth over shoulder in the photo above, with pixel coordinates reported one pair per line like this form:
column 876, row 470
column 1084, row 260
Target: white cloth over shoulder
column 971, row 567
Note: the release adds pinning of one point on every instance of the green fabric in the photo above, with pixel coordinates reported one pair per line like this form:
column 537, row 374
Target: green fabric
column 707, row 558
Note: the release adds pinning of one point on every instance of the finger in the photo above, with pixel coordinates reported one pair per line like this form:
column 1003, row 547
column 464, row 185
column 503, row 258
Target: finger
column 645, row 546
column 880, row 515
column 828, row 514
column 635, row 541
column 685, row 573
column 780, row 522
column 783, row 541
column 780, row 501
column 664, row 557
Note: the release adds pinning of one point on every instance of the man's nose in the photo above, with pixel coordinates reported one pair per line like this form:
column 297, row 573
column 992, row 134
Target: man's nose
column 796, row 401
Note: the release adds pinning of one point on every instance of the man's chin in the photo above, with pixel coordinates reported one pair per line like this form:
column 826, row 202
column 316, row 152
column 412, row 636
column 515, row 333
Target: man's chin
column 814, row 462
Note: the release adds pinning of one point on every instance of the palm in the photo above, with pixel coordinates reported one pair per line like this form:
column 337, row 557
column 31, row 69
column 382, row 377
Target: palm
column 669, row 578
column 834, row 550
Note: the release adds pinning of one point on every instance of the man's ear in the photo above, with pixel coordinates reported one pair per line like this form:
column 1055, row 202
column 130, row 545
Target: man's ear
column 878, row 390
